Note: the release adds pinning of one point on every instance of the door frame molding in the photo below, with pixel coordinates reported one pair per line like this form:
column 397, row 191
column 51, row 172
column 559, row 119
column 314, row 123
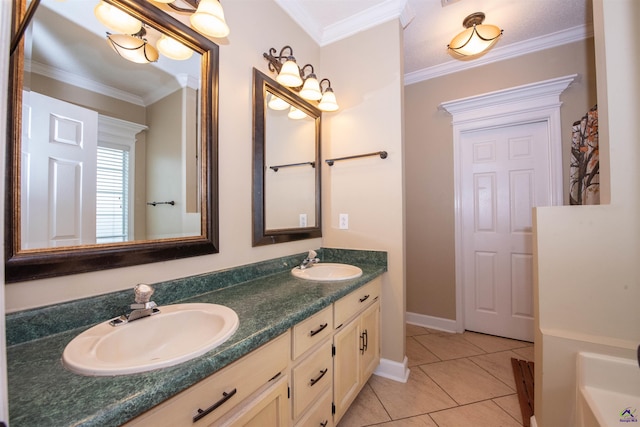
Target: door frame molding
column 535, row 102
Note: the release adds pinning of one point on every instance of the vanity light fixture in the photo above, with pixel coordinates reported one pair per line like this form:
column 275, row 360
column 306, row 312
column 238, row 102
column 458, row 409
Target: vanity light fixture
column 134, row 47
column 476, row 38
column 296, row 114
column 116, row 19
column 207, row 18
column 328, row 101
column 277, row 103
column 293, row 77
column 172, row 48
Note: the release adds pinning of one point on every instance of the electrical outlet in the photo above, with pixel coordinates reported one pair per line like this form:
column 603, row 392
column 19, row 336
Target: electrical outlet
column 303, row 220
column 343, row 221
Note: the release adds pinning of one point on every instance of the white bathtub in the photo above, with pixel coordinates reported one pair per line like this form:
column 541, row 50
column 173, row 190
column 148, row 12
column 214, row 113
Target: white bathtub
column 608, row 391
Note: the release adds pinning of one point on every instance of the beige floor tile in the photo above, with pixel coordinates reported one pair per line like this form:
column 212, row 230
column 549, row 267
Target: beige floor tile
column 481, row 414
column 420, row 421
column 498, row 365
column 491, row 343
column 450, row 346
column 418, row 396
column 465, row 381
column 418, row 354
column 526, row 353
column 365, row 410
column 412, row 330
column 511, row 405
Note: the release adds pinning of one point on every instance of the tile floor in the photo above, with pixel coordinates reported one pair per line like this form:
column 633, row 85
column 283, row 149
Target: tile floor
column 456, row 380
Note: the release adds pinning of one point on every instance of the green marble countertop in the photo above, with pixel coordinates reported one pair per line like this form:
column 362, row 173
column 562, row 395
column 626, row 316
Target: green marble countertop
column 43, row 393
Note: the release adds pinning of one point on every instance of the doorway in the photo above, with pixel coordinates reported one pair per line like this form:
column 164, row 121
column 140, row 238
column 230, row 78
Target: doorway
column 533, row 103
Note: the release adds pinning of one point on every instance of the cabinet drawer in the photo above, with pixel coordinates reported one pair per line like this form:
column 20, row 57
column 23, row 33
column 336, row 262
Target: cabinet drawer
column 245, row 376
column 311, row 331
column 311, row 377
column 348, row 306
column 320, row 414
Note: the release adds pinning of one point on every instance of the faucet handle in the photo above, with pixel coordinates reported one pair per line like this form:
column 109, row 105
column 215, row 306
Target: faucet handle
column 312, row 254
column 143, row 293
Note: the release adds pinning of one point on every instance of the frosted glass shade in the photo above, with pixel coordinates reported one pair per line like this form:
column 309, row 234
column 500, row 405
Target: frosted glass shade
column 296, row 114
column 289, row 74
column 475, row 39
column 311, row 88
column 116, row 19
column 132, row 48
column 328, row 101
column 276, row 103
column 172, row 48
column 209, row 19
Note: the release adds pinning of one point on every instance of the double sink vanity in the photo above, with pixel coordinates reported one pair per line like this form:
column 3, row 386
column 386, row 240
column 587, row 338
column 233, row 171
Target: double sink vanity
column 299, row 354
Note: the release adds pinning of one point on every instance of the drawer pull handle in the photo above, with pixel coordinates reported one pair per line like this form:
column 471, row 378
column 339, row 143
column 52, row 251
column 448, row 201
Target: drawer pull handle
column 324, row 424
column 204, row 412
column 314, row 381
column 320, row 329
column 364, row 298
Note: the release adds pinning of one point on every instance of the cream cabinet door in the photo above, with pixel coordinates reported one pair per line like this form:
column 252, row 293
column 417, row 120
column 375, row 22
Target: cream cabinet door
column 346, row 367
column 370, row 324
column 269, row 409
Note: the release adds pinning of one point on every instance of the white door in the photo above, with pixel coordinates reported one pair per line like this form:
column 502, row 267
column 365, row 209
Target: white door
column 58, row 187
column 505, row 173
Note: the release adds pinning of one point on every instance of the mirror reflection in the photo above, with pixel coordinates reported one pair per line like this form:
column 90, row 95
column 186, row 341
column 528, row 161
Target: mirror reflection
column 112, row 157
column 110, row 144
column 286, row 177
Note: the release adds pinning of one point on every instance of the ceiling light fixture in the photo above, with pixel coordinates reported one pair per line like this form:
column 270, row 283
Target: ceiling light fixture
column 294, row 77
column 134, row 47
column 476, row 38
column 116, row 19
column 172, row 48
column 207, row 18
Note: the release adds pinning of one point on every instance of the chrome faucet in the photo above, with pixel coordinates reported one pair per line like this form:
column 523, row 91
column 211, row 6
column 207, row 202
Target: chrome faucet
column 309, row 260
column 142, row 307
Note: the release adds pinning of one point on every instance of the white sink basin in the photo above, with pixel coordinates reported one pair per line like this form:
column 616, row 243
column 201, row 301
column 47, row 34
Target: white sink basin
column 178, row 333
column 327, row 272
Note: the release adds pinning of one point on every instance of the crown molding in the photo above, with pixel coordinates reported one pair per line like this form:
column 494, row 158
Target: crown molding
column 376, row 15
column 536, row 44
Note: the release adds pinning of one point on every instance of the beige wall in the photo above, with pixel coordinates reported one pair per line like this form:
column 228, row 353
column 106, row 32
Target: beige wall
column 366, row 74
column 369, row 88
column 429, row 159
column 587, row 266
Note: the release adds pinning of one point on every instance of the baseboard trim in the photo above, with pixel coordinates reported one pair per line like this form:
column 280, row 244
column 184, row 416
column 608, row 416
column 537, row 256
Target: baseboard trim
column 393, row 370
column 432, row 322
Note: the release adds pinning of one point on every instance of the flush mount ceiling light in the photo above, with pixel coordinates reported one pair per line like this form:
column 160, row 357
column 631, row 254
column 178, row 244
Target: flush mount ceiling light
column 477, row 37
column 116, row 19
column 207, row 18
column 172, row 48
column 294, row 77
column 134, row 47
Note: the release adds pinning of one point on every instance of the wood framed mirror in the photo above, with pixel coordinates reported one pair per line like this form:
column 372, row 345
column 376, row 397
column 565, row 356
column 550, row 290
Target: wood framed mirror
column 286, row 164
column 164, row 114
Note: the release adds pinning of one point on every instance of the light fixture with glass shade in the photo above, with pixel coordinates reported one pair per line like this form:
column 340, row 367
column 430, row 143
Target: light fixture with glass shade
column 173, row 49
column 476, row 38
column 116, row 19
column 296, row 114
column 328, row 101
column 277, row 103
column 295, row 78
column 133, row 47
column 207, row 18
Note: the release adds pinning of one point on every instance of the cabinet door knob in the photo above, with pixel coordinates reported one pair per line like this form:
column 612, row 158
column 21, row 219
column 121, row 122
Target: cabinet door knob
column 204, row 412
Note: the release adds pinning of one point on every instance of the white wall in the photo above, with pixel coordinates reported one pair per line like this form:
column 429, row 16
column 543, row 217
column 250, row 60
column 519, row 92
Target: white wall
column 587, row 271
column 366, row 74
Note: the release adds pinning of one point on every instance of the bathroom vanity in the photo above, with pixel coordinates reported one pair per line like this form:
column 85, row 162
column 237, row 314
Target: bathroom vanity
column 302, row 352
